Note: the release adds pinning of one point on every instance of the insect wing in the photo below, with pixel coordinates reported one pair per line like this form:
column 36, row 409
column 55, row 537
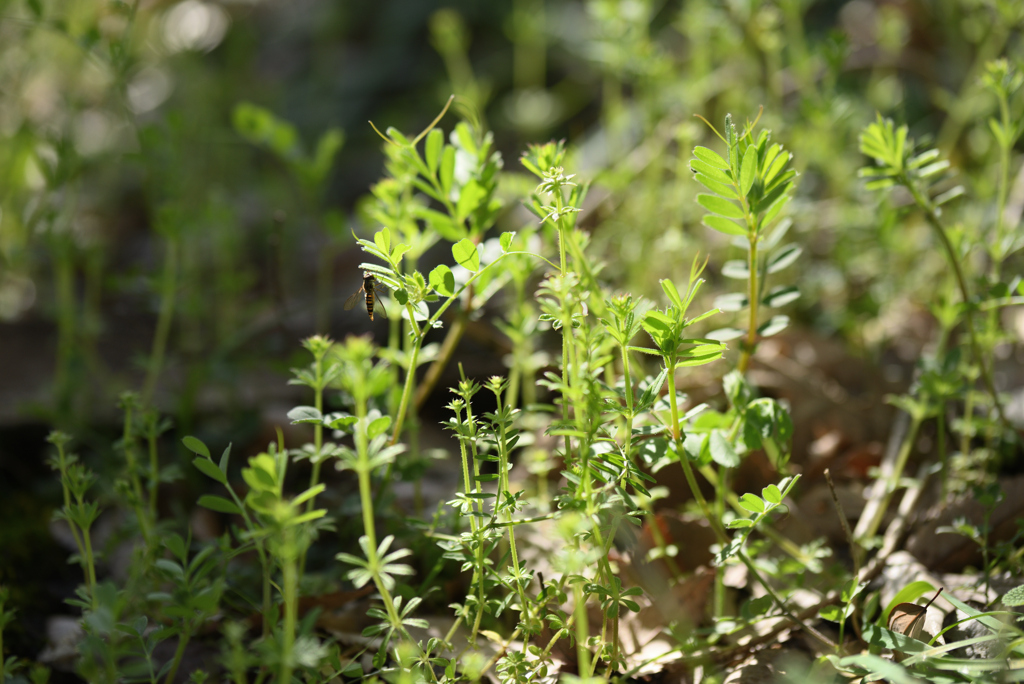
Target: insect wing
column 351, row 301
column 378, row 304
column 908, row 619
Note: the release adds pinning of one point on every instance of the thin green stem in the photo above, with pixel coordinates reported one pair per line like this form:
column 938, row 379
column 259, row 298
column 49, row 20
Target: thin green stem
column 410, row 380
column 627, row 379
column 90, row 565
column 954, row 261
column 503, row 493
column 179, row 653
column 154, row 467
column 1003, row 190
column 318, row 429
column 867, row 527
column 828, row 643
column 684, row 461
column 566, row 331
column 752, row 299
column 62, row 464
column 582, row 630
column 444, row 357
column 128, row 440
column 290, row 588
column 168, row 290
column 782, row 542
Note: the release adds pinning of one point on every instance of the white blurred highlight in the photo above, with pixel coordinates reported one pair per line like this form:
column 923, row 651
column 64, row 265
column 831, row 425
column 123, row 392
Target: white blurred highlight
column 194, row 25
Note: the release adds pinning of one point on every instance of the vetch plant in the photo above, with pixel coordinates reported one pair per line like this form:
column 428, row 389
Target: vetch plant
column 897, row 163
column 78, row 512
column 749, row 191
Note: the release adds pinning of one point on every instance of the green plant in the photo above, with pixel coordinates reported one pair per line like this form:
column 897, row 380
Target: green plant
column 753, row 187
column 77, row 511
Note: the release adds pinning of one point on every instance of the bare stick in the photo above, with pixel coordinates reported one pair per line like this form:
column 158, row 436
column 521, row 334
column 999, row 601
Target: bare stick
column 855, row 549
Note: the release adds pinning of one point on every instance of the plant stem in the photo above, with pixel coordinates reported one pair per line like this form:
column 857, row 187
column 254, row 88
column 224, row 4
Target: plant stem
column 627, row 379
column 444, row 356
column 868, row 525
column 410, row 380
column 63, row 276
column 179, row 653
column 933, row 220
column 684, row 460
column 154, row 468
column 828, row 643
column 582, row 631
column 752, row 297
column 133, row 471
column 290, row 585
column 62, row 464
column 168, row 290
column 503, row 489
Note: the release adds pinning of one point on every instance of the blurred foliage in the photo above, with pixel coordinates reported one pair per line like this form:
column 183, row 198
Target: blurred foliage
column 155, row 153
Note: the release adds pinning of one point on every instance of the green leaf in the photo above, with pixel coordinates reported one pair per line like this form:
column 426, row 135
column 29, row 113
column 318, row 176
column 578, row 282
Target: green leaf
column 176, row 545
column 784, row 257
column 697, row 166
column 782, row 295
column 949, row 195
column 735, row 269
column 720, row 205
column 326, row 150
column 717, row 187
column 170, row 567
column 731, row 302
column 195, row 446
column 210, row 469
column 724, row 225
column 434, row 146
column 987, row 620
column 219, row 504
column 447, row 169
column 378, row 426
column 726, row 334
column 672, row 292
column 710, row 157
column 772, row 494
column 880, row 667
column 398, row 251
column 777, row 166
column 907, row 594
column 880, row 184
column 748, row 170
column 831, row 613
column 442, row 223
column 773, row 326
column 466, row 254
column 752, row 502
column 223, row 465
column 382, row 239
column 309, row 494
column 506, row 240
column 442, row 281
column 1014, row 597
column 469, row 199
column 306, row 517
column 305, row 414
column 722, row 451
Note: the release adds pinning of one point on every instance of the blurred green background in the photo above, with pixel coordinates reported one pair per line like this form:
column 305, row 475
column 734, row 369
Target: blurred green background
column 140, row 202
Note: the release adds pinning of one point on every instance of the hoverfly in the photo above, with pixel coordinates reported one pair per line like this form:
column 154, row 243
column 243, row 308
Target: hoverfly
column 369, row 281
